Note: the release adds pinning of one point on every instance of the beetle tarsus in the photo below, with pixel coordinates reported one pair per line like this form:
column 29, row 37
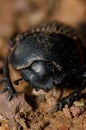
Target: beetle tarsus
column 10, row 89
column 65, row 101
column 11, row 92
column 5, row 89
column 71, row 98
column 11, row 95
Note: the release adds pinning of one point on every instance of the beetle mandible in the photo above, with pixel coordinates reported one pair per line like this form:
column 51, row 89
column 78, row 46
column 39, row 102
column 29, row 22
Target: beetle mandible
column 46, row 56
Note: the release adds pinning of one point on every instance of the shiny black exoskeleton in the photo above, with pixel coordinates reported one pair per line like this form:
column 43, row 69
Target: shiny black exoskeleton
column 48, row 56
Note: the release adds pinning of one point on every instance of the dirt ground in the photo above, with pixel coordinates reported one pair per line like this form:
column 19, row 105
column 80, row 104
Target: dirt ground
column 35, row 113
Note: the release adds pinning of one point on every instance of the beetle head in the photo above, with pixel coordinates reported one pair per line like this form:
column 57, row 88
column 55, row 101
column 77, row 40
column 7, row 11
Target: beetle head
column 42, row 75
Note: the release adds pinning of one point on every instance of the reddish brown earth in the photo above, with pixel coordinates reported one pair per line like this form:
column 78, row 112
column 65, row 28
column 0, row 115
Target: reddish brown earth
column 18, row 114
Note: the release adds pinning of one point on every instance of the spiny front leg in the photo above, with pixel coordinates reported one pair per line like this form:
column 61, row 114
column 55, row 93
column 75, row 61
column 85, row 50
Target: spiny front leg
column 8, row 85
column 68, row 100
column 71, row 98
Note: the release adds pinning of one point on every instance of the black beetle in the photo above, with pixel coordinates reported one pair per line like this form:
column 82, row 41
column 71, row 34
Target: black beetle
column 46, row 56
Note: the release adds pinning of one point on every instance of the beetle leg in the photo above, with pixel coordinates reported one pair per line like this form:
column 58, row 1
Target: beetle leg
column 6, row 78
column 71, row 98
column 10, row 90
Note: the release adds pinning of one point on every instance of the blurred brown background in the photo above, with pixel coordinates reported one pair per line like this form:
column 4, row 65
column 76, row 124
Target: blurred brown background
column 19, row 15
